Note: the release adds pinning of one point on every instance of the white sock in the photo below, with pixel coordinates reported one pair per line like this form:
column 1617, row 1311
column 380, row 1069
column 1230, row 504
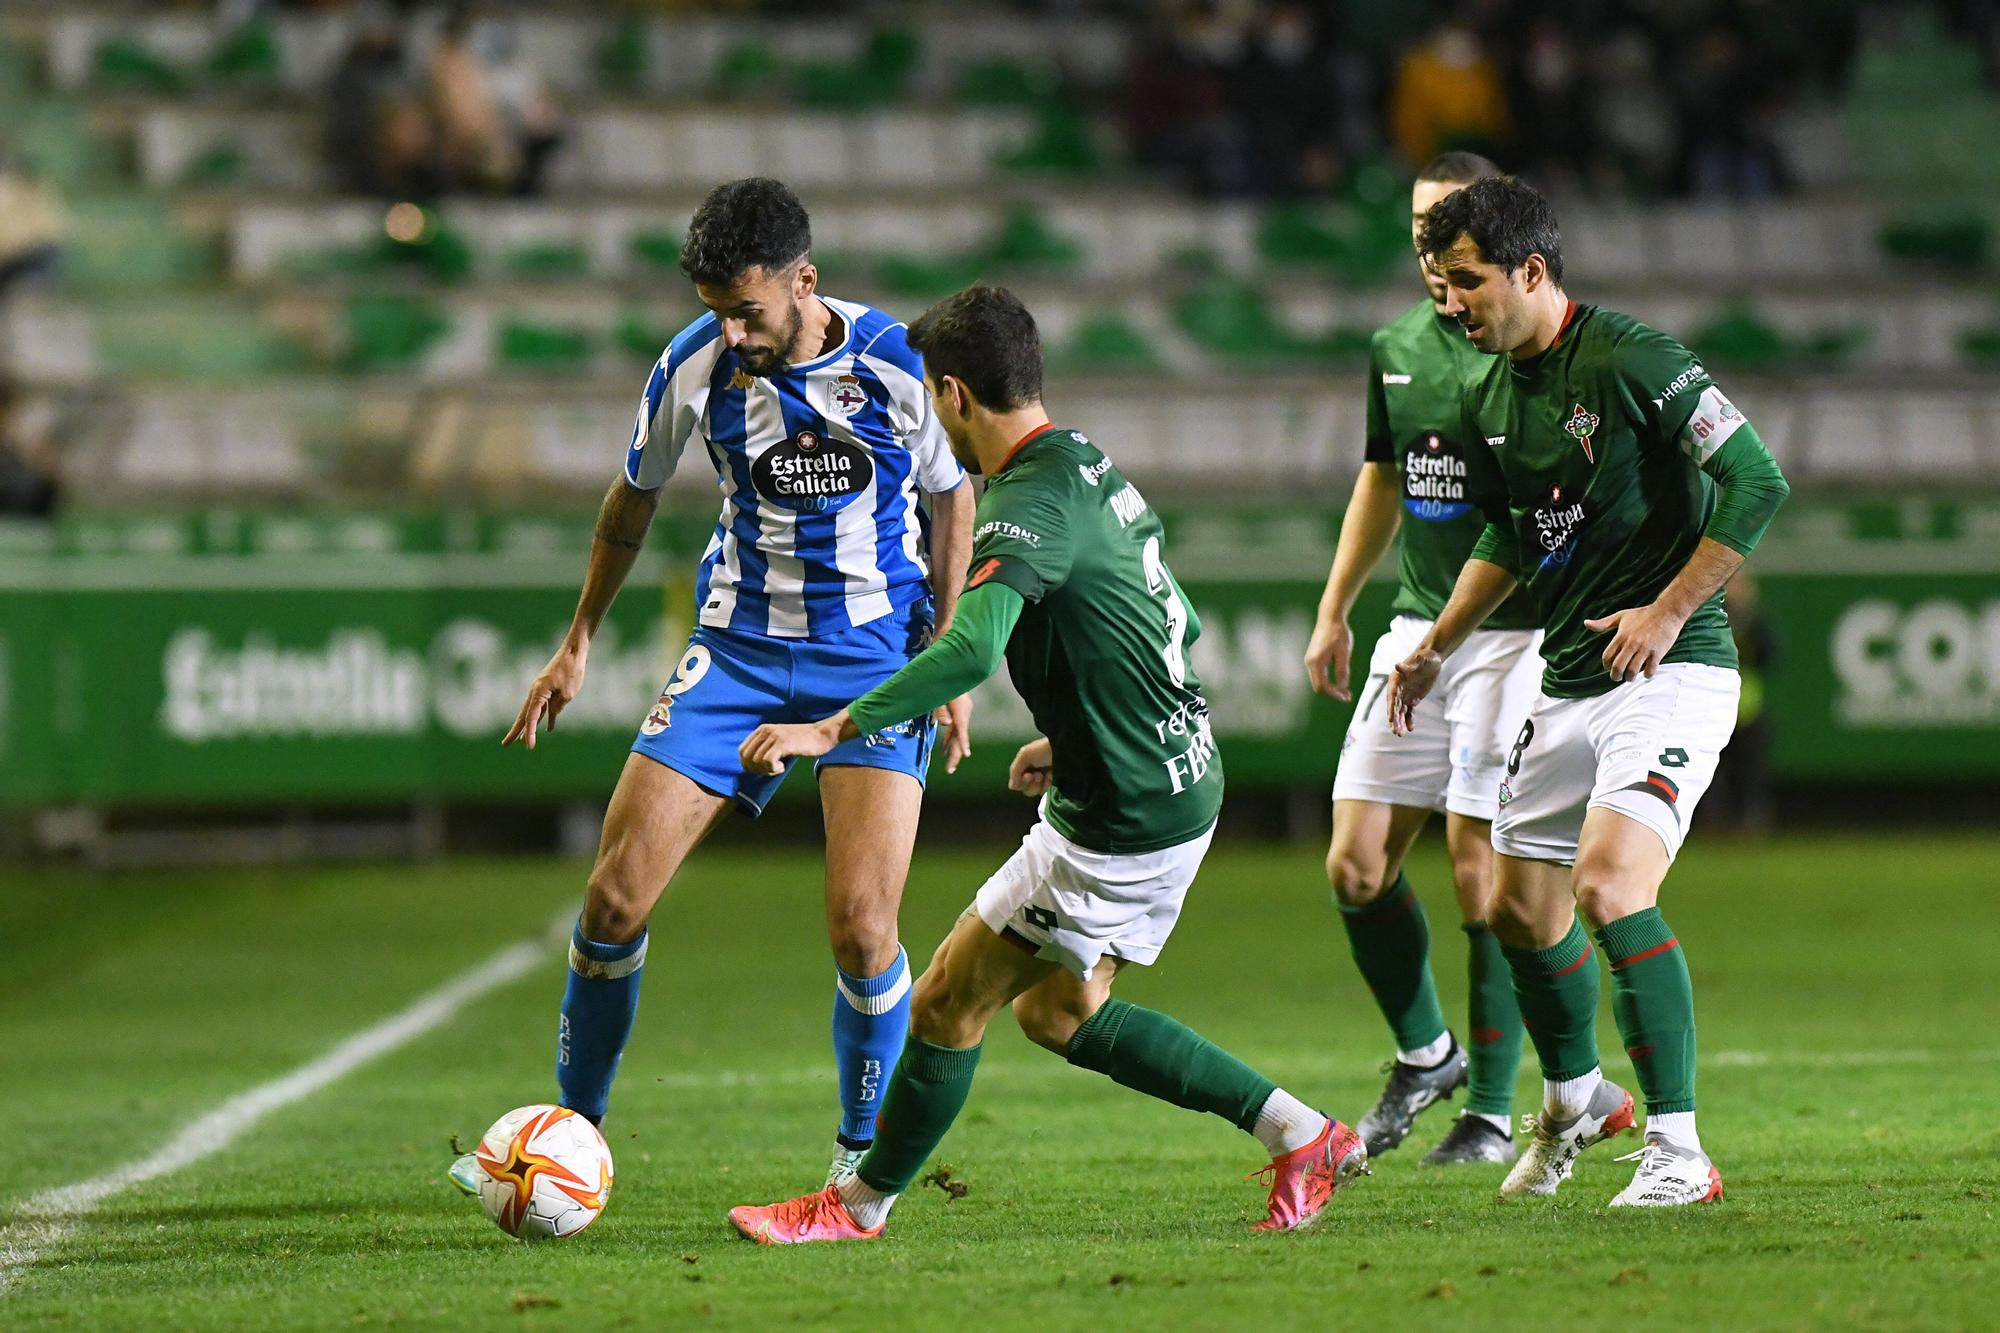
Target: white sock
column 1428, row 1055
column 1677, row 1128
column 1499, row 1122
column 1569, row 1098
column 868, row 1207
column 1287, row 1124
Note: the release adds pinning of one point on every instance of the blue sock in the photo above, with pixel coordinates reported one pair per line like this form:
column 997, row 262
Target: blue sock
column 597, row 1009
column 871, row 1016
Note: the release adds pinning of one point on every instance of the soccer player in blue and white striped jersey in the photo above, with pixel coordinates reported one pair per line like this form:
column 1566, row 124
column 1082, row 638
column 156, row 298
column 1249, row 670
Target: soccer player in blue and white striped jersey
column 845, row 529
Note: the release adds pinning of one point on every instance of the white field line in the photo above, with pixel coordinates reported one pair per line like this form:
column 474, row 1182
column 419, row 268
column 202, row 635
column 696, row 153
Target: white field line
column 1293, row 1065
column 47, row 1219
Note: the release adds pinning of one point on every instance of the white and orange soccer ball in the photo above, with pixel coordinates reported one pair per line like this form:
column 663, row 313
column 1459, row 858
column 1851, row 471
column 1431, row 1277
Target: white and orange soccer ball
column 545, row 1172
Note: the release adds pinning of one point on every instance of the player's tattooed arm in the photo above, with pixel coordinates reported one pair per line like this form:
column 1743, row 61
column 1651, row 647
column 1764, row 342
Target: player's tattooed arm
column 622, row 521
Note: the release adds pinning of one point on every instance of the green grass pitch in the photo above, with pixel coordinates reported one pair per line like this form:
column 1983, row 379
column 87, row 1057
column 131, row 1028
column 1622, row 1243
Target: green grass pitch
column 1850, row 1086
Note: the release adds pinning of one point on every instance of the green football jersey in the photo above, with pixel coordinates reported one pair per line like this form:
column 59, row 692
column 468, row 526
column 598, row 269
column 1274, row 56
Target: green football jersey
column 1418, row 367
column 1100, row 652
column 1589, row 465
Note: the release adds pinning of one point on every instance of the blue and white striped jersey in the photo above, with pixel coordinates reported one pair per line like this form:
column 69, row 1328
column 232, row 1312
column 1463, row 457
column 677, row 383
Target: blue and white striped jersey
column 820, row 468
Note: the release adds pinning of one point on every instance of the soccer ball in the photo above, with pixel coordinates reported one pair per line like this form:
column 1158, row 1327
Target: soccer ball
column 547, row 1172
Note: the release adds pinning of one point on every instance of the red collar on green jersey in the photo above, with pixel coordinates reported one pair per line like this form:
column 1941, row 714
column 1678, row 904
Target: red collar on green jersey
column 1022, row 443
column 1568, row 315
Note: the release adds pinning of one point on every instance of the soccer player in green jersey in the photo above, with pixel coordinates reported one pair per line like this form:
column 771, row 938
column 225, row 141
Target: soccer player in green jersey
column 1412, row 491
column 1622, row 489
column 1068, row 582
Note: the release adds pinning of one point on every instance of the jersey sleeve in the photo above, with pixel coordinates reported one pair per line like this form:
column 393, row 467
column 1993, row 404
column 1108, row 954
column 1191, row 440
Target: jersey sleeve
column 936, row 469
column 889, row 355
column 1377, row 445
column 1022, row 537
column 1486, row 486
column 1673, row 397
column 1751, row 489
column 963, row 657
column 661, row 431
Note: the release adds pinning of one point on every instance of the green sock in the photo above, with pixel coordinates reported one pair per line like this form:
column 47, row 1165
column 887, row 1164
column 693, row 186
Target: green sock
column 1557, row 990
column 1391, row 942
column 1653, row 1001
column 1494, row 1020
column 925, row 1094
column 1151, row 1053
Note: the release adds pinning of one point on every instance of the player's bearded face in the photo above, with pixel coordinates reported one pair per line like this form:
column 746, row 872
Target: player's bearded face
column 761, row 317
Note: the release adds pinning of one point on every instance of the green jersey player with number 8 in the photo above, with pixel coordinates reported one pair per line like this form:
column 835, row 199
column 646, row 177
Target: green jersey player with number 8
column 1068, row 580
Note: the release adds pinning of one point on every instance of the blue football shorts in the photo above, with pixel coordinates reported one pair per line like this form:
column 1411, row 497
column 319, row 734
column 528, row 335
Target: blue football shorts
column 728, row 683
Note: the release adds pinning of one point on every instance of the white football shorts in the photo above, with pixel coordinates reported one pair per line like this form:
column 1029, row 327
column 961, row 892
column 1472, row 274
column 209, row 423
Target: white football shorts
column 1646, row 749
column 1077, row 905
column 1454, row 759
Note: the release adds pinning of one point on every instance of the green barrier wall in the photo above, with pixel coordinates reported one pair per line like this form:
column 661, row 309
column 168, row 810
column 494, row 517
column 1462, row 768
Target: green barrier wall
column 230, row 656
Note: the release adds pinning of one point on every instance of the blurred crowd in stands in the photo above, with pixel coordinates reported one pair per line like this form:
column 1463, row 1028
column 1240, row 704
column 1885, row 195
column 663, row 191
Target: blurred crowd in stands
column 1233, row 98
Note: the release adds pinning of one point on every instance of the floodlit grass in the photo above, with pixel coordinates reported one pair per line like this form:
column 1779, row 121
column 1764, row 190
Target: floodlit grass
column 1850, row 1075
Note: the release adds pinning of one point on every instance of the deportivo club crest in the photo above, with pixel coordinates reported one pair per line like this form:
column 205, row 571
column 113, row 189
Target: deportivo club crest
column 848, row 397
column 1582, row 421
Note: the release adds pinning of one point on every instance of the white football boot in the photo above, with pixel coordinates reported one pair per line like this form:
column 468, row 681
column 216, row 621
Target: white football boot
column 1669, row 1176
column 1554, row 1145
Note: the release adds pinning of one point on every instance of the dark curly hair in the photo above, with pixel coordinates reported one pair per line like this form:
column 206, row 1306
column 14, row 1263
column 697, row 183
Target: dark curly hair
column 1507, row 219
column 985, row 338
column 752, row 223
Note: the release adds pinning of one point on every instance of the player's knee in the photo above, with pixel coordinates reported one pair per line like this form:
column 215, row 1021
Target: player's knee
column 863, row 940
column 1472, row 878
column 614, row 909
column 940, row 1013
column 1047, row 1021
column 1604, row 895
column 1513, row 922
column 1356, row 878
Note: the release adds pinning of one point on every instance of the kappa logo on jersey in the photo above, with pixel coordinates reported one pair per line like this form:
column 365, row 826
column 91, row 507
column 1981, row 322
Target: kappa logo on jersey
column 1582, row 424
column 1094, row 472
column 1556, row 522
column 742, row 379
column 1434, row 480
column 848, row 397
column 810, row 473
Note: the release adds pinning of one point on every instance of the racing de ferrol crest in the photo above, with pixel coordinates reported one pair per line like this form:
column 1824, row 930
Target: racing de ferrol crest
column 1582, row 424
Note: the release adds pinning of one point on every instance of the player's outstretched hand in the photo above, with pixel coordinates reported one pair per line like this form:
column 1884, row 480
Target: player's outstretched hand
column 1413, row 678
column 549, row 695
column 954, row 723
column 766, row 749
column 1640, row 638
column 1328, row 658
column 1033, row 768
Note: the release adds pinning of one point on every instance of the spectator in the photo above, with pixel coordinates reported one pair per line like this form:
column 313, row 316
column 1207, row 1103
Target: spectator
column 1722, row 108
column 474, row 148
column 29, row 483
column 528, row 113
column 32, row 226
column 379, row 137
column 1448, row 94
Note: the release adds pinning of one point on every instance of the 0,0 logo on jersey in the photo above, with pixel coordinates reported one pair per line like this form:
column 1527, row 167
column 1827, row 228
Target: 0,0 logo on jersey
column 811, row 473
column 1434, row 479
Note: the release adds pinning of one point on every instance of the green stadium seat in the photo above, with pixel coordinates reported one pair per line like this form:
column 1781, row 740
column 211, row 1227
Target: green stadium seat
column 1002, row 82
column 1741, row 339
column 640, row 336
column 543, row 348
column 1233, row 320
column 388, row 332
column 659, row 249
column 1108, row 345
column 214, row 168
column 198, row 340
column 918, row 279
column 623, row 58
column 125, row 65
column 1025, row 240
column 1981, row 346
column 248, row 58
column 122, row 242
column 1958, row 239
column 548, row 261
column 746, row 69
column 1062, row 145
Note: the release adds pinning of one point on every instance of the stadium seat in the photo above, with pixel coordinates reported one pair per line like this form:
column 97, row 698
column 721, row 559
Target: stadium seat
column 1107, row 345
column 391, row 332
column 542, row 348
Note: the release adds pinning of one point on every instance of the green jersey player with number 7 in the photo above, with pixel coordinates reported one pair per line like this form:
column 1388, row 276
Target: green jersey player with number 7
column 1068, row 581
column 1621, row 489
